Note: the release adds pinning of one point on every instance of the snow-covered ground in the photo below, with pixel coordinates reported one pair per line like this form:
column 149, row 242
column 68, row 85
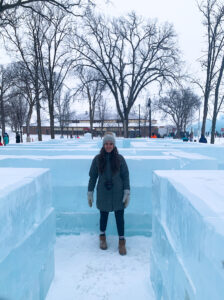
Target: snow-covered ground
column 34, row 137
column 85, row 272
column 45, row 137
column 219, row 141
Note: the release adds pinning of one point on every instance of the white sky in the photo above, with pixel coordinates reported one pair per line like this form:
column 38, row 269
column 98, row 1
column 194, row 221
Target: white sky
column 184, row 15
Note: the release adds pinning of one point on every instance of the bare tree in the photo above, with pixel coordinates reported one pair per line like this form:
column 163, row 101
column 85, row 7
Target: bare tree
column 213, row 14
column 39, row 42
column 180, row 106
column 22, row 40
column 91, row 87
column 11, row 10
column 102, row 111
column 10, row 5
column 54, row 60
column 6, row 82
column 218, row 101
column 18, row 108
column 14, row 12
column 130, row 54
column 23, row 82
column 63, row 112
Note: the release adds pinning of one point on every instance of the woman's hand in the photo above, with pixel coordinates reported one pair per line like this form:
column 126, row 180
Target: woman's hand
column 126, row 198
column 90, row 198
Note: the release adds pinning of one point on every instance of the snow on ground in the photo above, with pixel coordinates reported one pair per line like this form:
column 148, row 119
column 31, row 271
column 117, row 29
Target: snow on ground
column 85, row 272
column 34, row 137
column 219, row 141
column 45, row 137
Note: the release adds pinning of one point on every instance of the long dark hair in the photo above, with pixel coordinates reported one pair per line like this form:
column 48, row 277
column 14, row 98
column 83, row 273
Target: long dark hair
column 114, row 160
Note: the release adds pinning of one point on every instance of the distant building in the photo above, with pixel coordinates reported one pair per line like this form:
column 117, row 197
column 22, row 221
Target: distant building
column 166, row 130
column 80, row 127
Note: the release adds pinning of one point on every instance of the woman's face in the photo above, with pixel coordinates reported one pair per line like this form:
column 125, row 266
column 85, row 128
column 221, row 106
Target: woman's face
column 108, row 146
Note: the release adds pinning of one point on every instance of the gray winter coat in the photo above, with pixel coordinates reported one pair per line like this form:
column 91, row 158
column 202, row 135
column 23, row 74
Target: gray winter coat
column 109, row 200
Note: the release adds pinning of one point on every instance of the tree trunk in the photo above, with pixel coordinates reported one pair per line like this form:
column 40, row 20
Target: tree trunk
column 204, row 114
column 178, row 132
column 62, row 134
column 215, row 111
column 206, row 96
column 51, row 109
column 21, row 131
column 91, row 126
column 208, row 82
column 213, row 125
column 51, row 112
column 2, row 109
column 28, row 120
column 39, row 131
column 91, row 117
column 91, row 110
column 125, row 124
column 37, row 92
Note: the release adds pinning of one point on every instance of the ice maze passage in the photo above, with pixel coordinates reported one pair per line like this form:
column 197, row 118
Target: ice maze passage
column 27, row 234
column 176, row 199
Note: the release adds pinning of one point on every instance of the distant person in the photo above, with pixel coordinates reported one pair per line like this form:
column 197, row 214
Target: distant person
column 203, row 139
column 113, row 189
column 1, row 141
column 5, row 138
column 17, row 137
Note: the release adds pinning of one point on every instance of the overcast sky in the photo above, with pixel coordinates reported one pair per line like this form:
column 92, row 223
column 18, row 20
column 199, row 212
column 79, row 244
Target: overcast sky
column 184, row 15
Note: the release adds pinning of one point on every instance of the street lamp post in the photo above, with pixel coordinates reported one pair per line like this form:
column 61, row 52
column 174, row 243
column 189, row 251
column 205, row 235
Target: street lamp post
column 150, row 118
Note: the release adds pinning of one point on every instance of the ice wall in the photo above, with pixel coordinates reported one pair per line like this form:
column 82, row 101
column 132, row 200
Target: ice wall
column 27, row 234
column 187, row 258
column 70, row 180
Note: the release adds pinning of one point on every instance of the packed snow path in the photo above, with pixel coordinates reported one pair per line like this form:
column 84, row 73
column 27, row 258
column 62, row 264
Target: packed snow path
column 83, row 271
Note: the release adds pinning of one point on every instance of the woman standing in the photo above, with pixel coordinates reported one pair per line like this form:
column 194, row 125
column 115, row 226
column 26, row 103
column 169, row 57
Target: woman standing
column 113, row 188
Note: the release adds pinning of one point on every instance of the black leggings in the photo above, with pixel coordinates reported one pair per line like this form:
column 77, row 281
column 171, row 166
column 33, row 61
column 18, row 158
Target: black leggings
column 119, row 215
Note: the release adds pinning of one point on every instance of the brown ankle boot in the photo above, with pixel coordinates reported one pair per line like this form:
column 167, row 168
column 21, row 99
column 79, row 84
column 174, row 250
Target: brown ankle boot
column 122, row 248
column 103, row 242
